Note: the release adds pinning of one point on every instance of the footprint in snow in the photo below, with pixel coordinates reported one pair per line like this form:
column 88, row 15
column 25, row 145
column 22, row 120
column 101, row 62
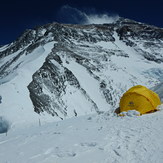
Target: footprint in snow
column 60, row 153
column 91, row 144
column 66, row 154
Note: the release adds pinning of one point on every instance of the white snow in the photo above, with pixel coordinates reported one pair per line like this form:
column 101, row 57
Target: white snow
column 159, row 90
column 103, row 138
column 106, row 45
column 16, row 105
column 133, row 65
column 81, row 106
column 4, row 47
column 130, row 113
column 43, row 31
column 88, row 83
column 9, row 57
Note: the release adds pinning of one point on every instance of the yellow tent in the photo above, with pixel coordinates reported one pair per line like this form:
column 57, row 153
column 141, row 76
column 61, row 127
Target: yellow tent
column 141, row 99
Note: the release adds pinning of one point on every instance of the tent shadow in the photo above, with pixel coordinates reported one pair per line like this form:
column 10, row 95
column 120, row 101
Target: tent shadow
column 117, row 110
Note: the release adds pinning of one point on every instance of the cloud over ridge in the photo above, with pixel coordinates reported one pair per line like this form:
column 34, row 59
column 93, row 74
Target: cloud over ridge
column 71, row 15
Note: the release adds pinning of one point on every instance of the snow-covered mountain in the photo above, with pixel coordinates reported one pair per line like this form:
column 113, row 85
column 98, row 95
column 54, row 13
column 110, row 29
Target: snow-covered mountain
column 80, row 72
column 71, row 70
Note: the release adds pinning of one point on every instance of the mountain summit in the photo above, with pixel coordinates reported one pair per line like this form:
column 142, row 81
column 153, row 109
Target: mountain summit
column 69, row 70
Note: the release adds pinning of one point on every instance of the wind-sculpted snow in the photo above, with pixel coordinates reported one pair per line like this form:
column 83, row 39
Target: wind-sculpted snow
column 71, row 70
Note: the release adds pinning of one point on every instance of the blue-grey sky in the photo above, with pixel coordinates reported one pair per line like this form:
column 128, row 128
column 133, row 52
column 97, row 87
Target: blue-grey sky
column 18, row 15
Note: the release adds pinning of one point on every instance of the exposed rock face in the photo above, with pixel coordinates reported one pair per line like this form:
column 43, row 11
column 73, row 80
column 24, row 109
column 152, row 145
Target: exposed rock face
column 88, row 67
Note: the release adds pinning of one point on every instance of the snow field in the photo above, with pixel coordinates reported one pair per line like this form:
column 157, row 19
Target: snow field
column 103, row 138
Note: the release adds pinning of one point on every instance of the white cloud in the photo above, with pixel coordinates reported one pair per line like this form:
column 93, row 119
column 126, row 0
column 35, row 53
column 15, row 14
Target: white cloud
column 72, row 15
column 101, row 19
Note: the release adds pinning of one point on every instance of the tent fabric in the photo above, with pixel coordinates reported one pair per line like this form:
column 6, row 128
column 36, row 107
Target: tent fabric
column 139, row 98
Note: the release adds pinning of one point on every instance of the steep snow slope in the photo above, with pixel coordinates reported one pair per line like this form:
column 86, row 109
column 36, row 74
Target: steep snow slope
column 16, row 105
column 88, row 83
column 103, row 138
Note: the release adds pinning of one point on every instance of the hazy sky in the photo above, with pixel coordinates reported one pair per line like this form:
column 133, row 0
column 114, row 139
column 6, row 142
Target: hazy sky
column 18, row 15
